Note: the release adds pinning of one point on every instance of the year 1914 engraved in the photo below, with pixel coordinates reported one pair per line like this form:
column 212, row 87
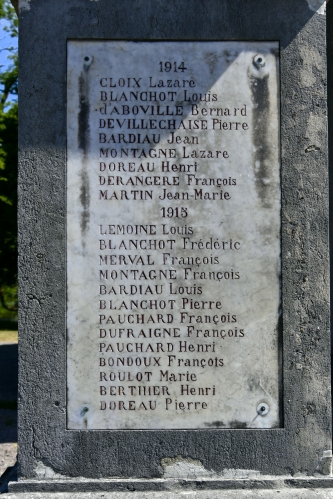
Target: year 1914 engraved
column 172, row 66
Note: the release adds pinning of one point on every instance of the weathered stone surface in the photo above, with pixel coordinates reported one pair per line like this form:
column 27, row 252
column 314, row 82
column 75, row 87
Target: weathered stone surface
column 305, row 438
column 174, row 492
column 173, row 235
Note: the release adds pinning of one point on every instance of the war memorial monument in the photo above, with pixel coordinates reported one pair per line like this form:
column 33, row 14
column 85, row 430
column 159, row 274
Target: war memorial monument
column 174, row 266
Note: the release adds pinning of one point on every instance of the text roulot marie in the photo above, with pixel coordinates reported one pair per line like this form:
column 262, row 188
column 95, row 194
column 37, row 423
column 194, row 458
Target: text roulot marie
column 173, row 235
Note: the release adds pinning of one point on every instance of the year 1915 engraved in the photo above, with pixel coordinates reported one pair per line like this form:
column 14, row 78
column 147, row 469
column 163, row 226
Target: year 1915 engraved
column 174, row 212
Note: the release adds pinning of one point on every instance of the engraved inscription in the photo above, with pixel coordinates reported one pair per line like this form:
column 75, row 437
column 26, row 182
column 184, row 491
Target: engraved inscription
column 173, row 235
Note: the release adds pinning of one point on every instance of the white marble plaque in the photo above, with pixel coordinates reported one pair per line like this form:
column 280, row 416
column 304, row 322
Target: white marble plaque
column 173, row 235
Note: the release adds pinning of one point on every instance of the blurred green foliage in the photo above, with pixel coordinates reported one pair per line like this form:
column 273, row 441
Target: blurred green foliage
column 8, row 168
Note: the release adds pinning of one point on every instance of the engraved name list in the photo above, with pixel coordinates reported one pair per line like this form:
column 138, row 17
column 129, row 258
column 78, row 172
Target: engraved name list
column 173, row 235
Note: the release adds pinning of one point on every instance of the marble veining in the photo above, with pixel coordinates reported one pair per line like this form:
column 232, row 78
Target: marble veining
column 173, row 235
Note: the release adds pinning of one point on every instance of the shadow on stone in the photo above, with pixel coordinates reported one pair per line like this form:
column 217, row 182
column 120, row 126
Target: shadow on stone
column 8, row 393
column 10, row 475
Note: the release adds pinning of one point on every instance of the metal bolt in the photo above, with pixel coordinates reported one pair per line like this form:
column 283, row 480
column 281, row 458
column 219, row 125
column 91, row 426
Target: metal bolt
column 259, row 61
column 262, row 409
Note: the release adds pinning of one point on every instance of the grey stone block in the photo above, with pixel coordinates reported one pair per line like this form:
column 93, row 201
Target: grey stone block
column 46, row 448
column 279, row 493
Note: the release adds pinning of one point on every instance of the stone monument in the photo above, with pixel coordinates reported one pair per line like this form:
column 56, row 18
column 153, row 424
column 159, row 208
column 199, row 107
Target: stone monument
column 174, row 327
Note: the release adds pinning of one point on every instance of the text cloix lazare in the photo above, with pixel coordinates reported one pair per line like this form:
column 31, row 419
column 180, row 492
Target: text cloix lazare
column 123, row 103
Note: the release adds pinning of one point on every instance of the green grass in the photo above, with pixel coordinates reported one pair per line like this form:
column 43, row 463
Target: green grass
column 10, row 295
column 8, row 336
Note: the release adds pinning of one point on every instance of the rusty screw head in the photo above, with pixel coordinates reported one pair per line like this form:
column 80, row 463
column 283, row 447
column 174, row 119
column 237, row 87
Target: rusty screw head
column 259, row 61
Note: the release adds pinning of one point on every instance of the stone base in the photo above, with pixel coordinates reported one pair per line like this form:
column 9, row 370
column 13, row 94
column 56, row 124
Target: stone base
column 281, row 487
column 279, row 493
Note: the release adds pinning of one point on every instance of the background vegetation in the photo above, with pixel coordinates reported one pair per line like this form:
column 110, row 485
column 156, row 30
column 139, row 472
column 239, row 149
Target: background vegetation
column 8, row 166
